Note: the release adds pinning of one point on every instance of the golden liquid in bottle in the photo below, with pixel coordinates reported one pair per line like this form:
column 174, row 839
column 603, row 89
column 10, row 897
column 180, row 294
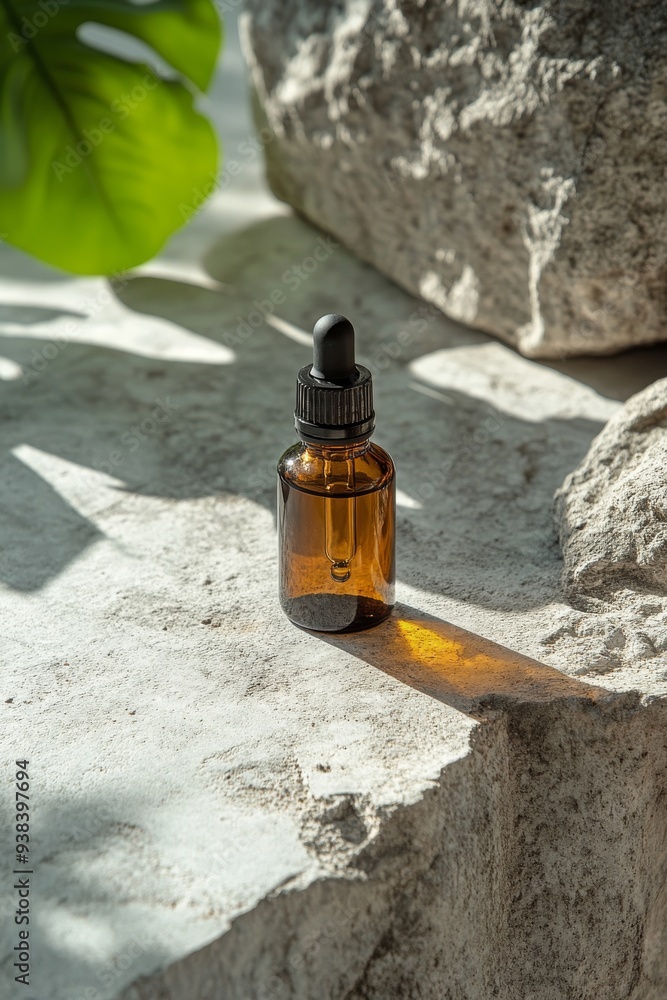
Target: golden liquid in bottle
column 336, row 517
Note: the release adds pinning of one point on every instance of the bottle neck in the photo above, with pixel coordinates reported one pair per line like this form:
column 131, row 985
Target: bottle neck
column 337, row 452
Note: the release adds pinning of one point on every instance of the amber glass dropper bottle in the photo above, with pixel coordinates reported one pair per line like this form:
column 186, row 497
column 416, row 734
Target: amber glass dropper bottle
column 336, row 495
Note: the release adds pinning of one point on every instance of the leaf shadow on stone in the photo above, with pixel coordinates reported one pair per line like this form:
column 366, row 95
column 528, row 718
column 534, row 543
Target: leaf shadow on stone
column 70, row 888
column 30, row 315
column 15, row 265
column 479, row 532
column 40, row 532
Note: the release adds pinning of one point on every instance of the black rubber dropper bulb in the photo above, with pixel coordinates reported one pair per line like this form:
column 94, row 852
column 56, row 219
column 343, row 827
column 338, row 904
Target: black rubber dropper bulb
column 333, row 349
column 334, row 395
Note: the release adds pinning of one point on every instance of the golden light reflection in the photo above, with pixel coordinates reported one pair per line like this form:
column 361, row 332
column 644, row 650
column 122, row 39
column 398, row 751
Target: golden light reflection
column 467, row 671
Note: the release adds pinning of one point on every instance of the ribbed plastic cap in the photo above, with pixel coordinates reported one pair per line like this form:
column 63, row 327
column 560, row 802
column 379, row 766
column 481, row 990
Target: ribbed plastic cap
column 334, row 395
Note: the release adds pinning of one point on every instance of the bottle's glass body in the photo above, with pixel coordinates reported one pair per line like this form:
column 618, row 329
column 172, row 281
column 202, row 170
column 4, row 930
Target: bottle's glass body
column 336, row 526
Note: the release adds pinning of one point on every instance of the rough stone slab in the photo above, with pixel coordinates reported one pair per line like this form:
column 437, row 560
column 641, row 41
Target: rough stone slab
column 504, row 161
column 610, row 513
column 612, row 510
column 226, row 807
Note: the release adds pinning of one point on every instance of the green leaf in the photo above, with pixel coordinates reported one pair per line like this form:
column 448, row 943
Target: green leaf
column 186, row 35
column 101, row 160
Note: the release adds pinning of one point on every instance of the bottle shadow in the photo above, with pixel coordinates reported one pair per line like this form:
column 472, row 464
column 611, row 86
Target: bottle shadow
column 465, row 671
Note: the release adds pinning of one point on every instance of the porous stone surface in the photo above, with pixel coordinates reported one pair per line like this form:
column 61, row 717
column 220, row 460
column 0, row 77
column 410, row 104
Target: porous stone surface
column 612, row 509
column 467, row 802
column 504, row 161
column 611, row 517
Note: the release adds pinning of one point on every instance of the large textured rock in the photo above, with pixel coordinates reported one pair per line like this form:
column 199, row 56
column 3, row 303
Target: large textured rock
column 228, row 808
column 504, row 161
column 612, row 510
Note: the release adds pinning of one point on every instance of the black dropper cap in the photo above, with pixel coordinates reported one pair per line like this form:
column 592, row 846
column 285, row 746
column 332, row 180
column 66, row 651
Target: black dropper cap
column 334, row 395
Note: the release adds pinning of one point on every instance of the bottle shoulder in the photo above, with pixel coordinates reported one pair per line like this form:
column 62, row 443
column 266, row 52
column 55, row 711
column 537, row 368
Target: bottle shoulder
column 303, row 468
